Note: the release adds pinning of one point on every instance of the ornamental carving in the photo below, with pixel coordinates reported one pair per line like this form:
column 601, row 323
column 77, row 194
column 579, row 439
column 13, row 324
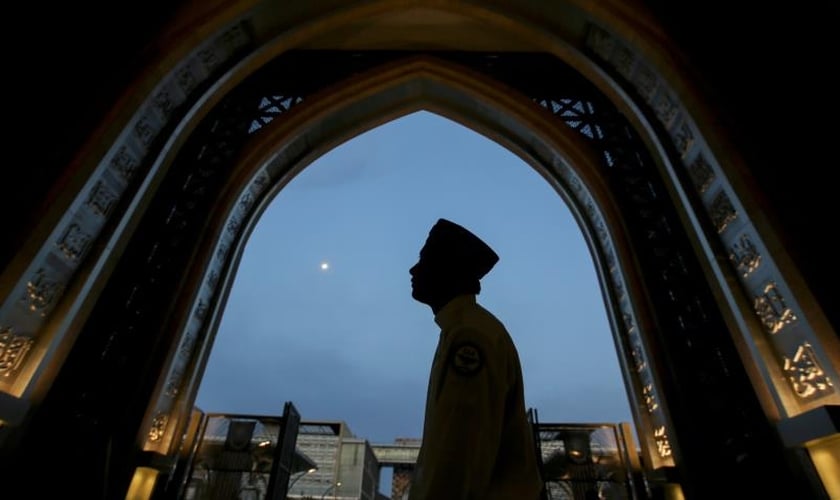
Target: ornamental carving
column 609, row 256
column 222, row 251
column 213, row 278
column 201, row 309
column 623, row 59
column 629, row 325
column 601, row 42
column 173, row 388
column 185, row 80
column 187, row 344
column 158, row 427
column 772, row 309
column 663, row 445
column 649, row 398
column 805, row 374
column 13, row 350
column 208, row 58
column 173, row 385
column 41, row 292
column 101, row 199
column 722, row 212
column 701, row 174
column 165, row 102
column 74, row 242
column 745, row 256
column 246, row 201
column 124, row 163
column 683, row 139
column 645, row 81
column 233, row 224
column 145, row 130
column 639, row 362
column 259, row 183
column 666, row 109
column 601, row 230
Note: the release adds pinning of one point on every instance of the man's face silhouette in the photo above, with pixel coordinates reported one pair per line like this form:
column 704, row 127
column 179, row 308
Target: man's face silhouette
column 430, row 276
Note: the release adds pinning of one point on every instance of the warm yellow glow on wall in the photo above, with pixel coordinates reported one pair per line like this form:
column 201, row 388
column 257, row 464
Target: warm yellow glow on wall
column 142, row 484
column 673, row 491
column 825, row 453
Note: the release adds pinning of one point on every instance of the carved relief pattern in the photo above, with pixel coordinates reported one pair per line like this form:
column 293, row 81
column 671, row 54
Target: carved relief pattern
column 649, row 398
column 173, row 385
column 701, row 174
column 213, row 278
column 745, row 256
column 666, row 109
column 221, row 251
column 246, row 201
column 13, row 350
column 722, row 212
column 663, row 445
column 683, row 138
column 165, row 102
column 623, row 59
column 233, row 224
column 772, row 309
column 101, row 199
column 259, row 183
column 146, row 129
column 74, row 242
column 601, row 42
column 187, row 344
column 201, row 309
column 41, row 292
column 158, row 428
column 233, row 38
column 175, row 378
column 124, row 163
column 185, row 79
column 645, row 81
column 209, row 58
column 610, row 258
column 805, row 373
column 640, row 365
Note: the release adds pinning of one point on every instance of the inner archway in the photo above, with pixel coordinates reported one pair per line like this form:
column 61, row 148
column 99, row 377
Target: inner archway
column 348, row 343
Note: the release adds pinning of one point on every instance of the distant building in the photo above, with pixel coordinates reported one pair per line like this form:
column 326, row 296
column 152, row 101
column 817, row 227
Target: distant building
column 241, row 456
column 347, row 467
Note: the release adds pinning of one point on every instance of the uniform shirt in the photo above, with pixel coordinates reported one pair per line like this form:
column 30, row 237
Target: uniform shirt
column 477, row 441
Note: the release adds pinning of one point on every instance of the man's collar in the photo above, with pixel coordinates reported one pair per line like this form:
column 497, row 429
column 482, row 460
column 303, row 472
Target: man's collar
column 449, row 314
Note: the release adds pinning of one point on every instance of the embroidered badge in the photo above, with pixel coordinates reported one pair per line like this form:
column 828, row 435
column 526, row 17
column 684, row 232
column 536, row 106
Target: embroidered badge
column 467, row 359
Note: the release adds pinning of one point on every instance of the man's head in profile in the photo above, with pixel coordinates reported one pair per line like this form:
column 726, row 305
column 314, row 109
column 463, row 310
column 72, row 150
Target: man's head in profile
column 452, row 262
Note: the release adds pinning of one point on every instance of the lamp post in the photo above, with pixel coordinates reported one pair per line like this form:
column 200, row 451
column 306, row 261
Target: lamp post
column 310, row 471
column 336, row 485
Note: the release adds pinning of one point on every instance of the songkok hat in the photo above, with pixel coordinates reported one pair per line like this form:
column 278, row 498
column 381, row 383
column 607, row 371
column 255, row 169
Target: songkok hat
column 461, row 248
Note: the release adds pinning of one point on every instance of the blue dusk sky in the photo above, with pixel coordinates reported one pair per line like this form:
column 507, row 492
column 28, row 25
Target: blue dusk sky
column 345, row 340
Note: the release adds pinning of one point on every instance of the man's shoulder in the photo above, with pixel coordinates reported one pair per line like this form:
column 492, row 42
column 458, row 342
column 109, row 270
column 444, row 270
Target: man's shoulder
column 482, row 323
column 482, row 315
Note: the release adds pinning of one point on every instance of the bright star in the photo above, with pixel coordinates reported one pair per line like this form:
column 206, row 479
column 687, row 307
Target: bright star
column 325, row 266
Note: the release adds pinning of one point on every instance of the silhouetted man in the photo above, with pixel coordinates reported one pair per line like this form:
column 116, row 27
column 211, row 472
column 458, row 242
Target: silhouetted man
column 477, row 442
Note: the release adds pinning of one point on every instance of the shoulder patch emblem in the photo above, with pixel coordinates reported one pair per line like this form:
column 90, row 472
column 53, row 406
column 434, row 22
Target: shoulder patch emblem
column 467, row 359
